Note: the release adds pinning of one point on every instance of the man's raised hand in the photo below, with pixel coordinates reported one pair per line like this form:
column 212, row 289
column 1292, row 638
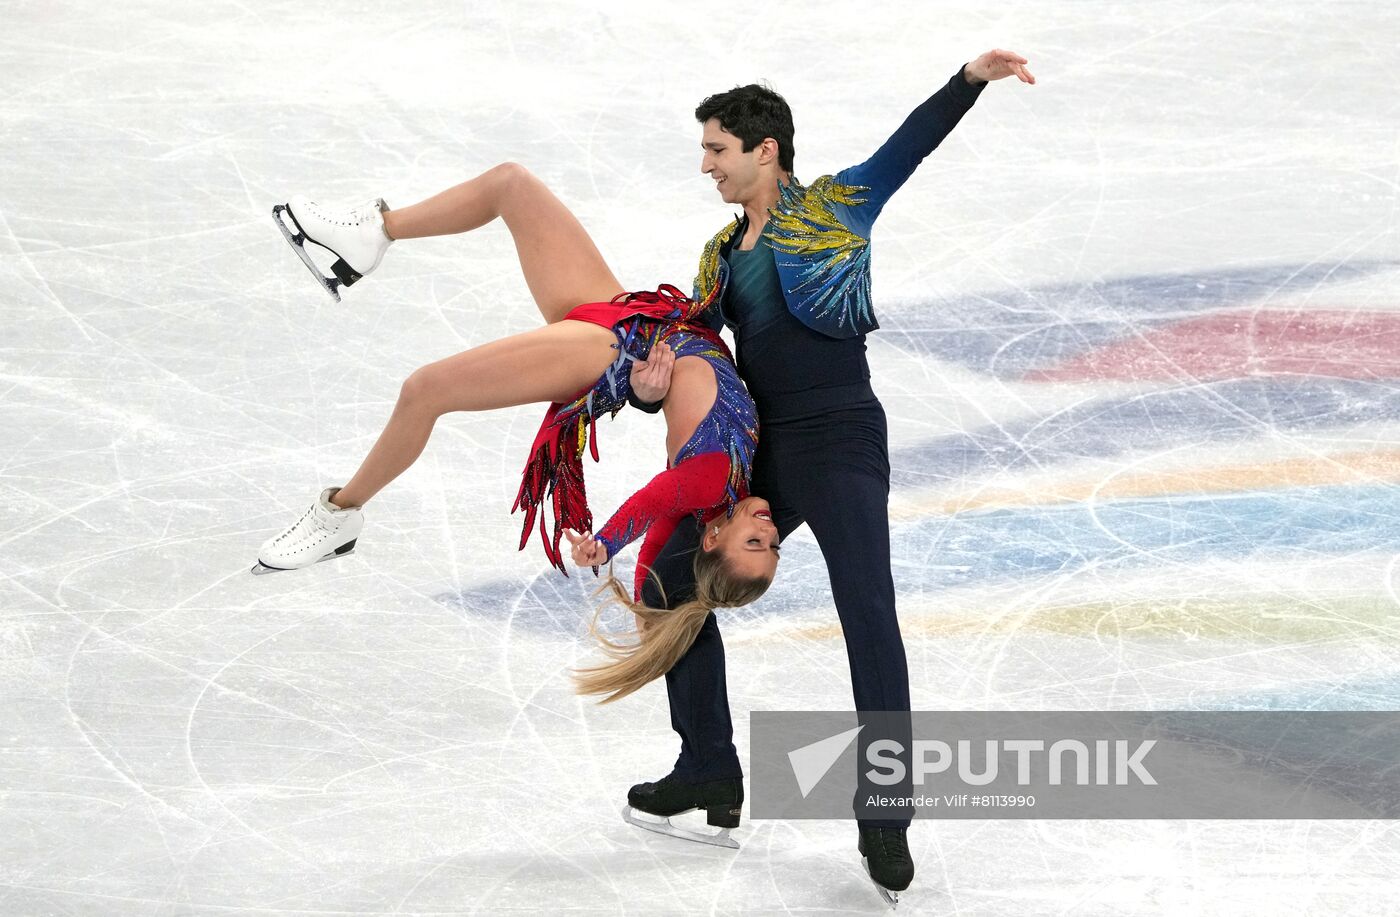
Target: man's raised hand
column 996, row 65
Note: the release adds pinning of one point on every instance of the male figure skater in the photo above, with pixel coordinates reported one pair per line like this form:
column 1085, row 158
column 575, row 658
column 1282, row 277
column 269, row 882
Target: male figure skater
column 791, row 277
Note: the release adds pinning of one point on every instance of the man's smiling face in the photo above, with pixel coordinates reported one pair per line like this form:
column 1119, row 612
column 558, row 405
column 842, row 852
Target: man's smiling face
column 736, row 173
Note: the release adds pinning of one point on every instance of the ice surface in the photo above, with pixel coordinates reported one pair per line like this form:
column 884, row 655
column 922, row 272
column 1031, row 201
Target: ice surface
column 1139, row 326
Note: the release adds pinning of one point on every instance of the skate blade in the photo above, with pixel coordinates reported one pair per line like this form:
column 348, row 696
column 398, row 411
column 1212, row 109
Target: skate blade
column 664, row 826
column 297, row 240
column 891, row 897
column 262, row 569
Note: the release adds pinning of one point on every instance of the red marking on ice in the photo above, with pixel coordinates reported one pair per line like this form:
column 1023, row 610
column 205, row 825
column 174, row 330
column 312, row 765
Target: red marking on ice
column 1345, row 345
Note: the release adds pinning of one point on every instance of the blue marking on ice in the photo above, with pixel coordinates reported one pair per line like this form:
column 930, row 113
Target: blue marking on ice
column 937, row 553
column 1215, row 412
column 1123, row 535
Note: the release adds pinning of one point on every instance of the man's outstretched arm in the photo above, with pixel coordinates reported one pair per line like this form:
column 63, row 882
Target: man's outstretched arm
column 921, row 133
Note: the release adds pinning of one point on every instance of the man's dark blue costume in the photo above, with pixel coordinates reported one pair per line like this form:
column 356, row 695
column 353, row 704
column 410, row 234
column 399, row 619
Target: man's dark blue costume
column 799, row 306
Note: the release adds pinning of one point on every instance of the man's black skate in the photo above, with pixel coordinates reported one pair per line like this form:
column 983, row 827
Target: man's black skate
column 722, row 800
column 887, row 860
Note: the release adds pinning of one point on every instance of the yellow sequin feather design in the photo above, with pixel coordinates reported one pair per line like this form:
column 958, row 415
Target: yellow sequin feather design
column 707, row 282
column 831, row 261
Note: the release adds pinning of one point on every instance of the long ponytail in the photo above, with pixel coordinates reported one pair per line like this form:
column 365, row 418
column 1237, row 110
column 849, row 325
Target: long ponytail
column 662, row 636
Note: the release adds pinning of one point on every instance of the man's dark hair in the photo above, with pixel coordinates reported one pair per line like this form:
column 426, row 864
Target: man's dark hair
column 752, row 113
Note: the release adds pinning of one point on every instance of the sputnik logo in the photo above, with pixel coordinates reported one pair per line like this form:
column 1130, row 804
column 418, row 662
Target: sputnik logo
column 811, row 762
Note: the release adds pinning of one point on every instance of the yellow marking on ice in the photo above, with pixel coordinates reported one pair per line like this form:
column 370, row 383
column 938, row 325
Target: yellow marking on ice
column 1285, row 620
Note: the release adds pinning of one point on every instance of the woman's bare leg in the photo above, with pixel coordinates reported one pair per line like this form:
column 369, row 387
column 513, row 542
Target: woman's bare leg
column 552, row 363
column 562, row 266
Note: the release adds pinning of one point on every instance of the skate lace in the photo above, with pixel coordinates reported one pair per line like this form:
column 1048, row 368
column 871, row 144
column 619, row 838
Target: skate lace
column 353, row 217
column 365, row 212
column 308, row 524
column 895, row 844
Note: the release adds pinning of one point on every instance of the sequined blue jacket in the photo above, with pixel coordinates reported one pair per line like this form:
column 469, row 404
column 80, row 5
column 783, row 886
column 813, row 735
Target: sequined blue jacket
column 820, row 233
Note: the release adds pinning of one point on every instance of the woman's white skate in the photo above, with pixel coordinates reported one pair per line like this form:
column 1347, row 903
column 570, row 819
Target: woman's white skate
column 355, row 237
column 323, row 531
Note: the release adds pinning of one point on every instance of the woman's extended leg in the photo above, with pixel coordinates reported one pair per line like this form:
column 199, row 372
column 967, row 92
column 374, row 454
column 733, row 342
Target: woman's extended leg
column 562, row 266
column 548, row 364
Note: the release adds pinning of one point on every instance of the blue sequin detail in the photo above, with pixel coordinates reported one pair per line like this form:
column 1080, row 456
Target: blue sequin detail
column 731, row 425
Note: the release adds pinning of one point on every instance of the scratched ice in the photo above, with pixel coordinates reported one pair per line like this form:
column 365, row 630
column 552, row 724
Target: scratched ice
column 1138, row 353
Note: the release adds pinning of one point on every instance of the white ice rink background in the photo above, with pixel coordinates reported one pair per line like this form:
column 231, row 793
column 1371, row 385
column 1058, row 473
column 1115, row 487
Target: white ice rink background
column 1140, row 353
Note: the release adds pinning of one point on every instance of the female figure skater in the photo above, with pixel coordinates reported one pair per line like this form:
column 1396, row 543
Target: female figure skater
column 581, row 362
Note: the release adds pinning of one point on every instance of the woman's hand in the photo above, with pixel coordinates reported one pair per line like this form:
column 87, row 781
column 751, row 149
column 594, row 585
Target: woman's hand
column 587, row 551
column 651, row 378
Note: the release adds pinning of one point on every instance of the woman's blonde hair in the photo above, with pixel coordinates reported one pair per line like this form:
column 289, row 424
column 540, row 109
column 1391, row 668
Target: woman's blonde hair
column 663, row 636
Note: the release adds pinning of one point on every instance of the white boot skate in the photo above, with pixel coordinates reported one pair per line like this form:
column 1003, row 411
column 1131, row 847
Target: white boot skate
column 324, row 531
column 355, row 237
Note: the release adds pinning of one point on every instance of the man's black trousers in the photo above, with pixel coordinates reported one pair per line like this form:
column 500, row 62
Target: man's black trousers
column 832, row 472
